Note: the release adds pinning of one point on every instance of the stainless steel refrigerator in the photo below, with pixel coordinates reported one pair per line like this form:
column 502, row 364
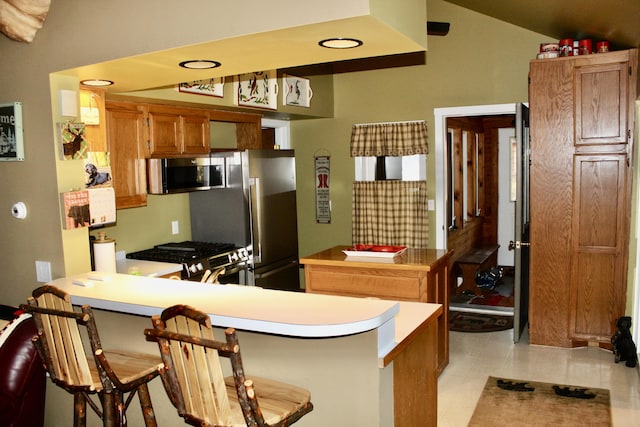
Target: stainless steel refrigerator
column 256, row 210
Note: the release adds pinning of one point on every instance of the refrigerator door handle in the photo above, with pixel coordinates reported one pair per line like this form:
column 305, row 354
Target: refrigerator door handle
column 276, row 270
column 255, row 208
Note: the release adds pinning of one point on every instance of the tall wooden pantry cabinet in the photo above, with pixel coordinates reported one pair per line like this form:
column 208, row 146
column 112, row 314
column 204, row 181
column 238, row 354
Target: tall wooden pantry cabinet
column 582, row 127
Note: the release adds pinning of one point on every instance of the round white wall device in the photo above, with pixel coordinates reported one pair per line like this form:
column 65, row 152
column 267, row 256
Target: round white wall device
column 19, row 210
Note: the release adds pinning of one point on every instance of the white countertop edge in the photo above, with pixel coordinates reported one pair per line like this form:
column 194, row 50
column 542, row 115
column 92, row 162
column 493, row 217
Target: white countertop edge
column 383, row 323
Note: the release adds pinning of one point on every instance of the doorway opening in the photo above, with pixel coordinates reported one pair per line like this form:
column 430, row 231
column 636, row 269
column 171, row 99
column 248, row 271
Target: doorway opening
column 480, row 207
column 476, row 158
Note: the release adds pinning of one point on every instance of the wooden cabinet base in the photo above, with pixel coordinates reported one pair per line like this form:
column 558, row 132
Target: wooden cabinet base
column 420, row 275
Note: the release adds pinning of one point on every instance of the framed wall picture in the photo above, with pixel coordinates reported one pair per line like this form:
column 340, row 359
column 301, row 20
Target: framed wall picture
column 11, row 133
column 73, row 141
column 296, row 91
column 209, row 87
column 258, row 89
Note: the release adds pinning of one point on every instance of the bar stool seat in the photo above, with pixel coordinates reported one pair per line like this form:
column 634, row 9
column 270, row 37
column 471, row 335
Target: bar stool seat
column 108, row 373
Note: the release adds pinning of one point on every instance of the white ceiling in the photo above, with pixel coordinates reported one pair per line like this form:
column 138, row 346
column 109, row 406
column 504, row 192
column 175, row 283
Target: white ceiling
column 617, row 21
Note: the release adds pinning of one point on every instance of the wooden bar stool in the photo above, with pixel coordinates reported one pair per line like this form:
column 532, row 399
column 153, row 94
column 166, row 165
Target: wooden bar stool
column 193, row 378
column 109, row 374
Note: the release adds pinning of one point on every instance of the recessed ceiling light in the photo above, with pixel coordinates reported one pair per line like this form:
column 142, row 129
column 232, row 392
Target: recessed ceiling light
column 340, row 43
column 96, row 82
column 200, row 64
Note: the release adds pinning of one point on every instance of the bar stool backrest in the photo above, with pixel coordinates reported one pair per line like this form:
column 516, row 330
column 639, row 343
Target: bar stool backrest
column 194, row 381
column 59, row 342
column 199, row 389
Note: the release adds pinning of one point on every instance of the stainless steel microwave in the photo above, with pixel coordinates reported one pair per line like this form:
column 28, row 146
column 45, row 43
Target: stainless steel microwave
column 179, row 175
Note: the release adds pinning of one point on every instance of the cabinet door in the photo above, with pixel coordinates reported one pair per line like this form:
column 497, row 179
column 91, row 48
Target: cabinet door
column 126, row 139
column 195, row 134
column 164, row 133
column 600, row 238
column 601, row 102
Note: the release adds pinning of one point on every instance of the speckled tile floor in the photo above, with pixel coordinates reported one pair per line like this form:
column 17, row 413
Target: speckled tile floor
column 475, row 356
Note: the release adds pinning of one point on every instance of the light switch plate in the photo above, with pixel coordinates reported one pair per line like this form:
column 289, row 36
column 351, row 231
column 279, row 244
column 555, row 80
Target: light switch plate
column 175, row 227
column 43, row 271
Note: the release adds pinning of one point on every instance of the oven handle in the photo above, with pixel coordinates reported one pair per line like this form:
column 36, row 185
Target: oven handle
column 232, row 269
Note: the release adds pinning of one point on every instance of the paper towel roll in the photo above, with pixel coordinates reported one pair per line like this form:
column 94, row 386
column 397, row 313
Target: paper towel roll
column 104, row 255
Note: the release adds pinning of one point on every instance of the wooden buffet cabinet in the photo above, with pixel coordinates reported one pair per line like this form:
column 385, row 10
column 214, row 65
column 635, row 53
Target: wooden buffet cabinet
column 420, row 275
column 582, row 112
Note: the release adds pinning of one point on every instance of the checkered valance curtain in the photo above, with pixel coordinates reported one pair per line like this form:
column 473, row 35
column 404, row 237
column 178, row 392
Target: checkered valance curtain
column 389, row 139
column 390, row 213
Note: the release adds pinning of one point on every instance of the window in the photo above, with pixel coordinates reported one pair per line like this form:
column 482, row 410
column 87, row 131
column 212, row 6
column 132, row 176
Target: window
column 389, row 204
column 403, row 168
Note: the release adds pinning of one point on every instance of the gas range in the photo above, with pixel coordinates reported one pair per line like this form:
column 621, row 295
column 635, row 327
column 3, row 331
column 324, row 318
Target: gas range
column 197, row 257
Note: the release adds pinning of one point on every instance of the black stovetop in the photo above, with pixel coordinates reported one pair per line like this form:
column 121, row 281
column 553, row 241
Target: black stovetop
column 181, row 252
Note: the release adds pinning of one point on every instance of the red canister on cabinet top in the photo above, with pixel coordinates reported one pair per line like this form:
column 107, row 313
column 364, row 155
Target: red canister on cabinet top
column 602, row 46
column 585, row 47
column 566, row 47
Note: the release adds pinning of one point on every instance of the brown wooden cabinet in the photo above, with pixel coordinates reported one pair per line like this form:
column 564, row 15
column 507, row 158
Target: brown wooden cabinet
column 175, row 131
column 138, row 131
column 126, row 139
column 420, row 275
column 582, row 118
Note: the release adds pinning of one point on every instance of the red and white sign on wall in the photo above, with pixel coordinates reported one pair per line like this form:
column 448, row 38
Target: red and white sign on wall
column 323, row 202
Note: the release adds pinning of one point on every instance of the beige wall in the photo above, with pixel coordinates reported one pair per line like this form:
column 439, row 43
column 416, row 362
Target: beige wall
column 480, row 61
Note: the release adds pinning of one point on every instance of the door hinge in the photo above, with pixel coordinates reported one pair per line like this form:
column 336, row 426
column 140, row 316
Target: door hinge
column 518, row 245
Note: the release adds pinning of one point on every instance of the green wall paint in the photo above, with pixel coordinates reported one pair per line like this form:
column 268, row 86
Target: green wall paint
column 481, row 61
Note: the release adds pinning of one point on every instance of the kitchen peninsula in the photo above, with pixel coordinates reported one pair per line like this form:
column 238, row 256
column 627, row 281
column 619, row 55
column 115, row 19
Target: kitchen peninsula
column 420, row 275
column 366, row 361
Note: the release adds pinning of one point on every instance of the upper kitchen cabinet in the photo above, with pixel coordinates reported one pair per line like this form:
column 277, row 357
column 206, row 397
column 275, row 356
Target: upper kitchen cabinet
column 126, row 140
column 232, row 130
column 176, row 131
column 601, row 99
column 582, row 121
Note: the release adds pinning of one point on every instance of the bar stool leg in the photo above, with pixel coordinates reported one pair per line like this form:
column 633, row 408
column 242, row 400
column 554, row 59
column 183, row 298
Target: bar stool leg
column 147, row 408
column 79, row 410
column 120, row 408
column 108, row 409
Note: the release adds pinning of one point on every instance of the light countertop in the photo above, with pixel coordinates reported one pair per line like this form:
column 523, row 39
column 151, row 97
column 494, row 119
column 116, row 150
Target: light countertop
column 146, row 268
column 411, row 259
column 295, row 314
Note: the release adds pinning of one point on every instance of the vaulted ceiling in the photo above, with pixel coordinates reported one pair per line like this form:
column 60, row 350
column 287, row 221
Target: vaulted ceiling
column 616, row 21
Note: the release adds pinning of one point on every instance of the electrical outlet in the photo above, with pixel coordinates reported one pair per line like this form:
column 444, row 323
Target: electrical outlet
column 175, row 227
column 43, row 271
